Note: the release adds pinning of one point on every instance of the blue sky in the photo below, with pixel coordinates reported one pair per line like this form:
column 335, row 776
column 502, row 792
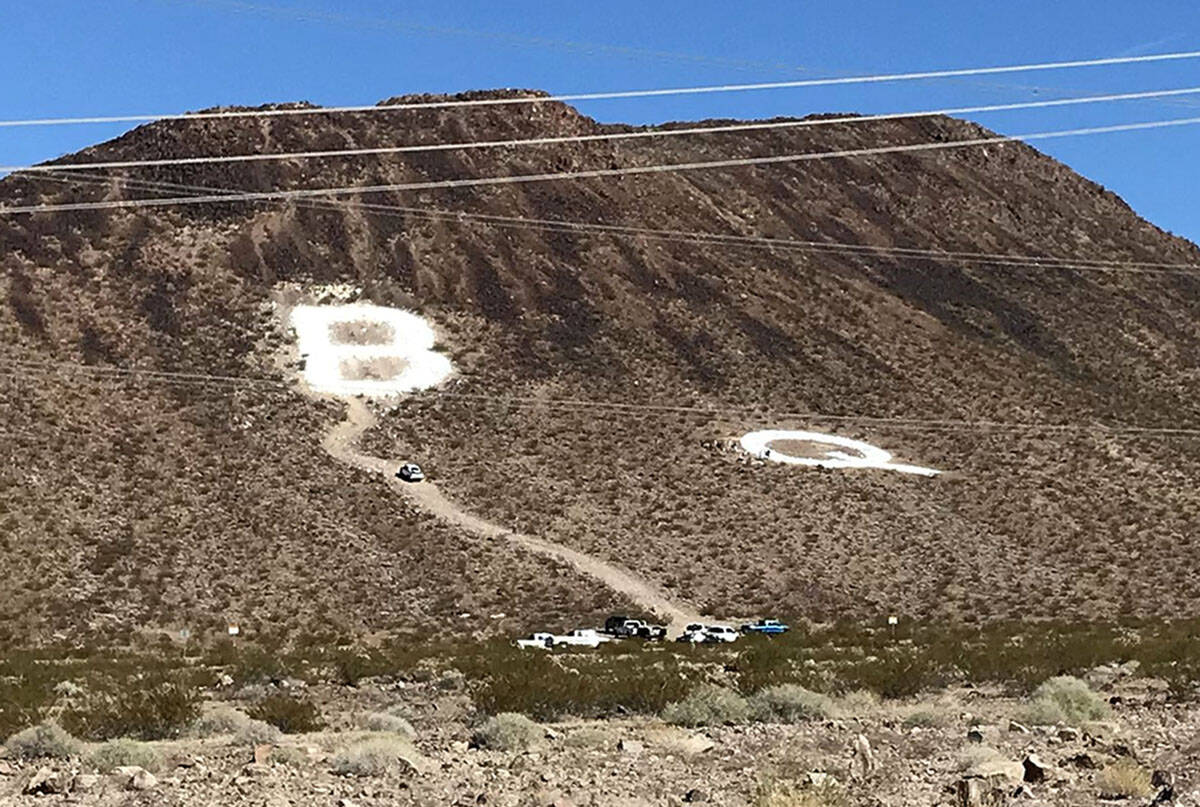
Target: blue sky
column 74, row 57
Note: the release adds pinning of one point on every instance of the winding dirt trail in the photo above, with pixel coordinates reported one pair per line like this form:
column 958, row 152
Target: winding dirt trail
column 341, row 442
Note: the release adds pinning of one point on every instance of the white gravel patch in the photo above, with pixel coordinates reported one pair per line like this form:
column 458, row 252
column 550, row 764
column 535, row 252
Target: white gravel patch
column 758, row 444
column 409, row 350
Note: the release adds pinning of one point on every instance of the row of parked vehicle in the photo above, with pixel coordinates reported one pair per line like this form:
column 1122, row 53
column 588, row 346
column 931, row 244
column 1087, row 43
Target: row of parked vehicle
column 622, row 627
column 696, row 633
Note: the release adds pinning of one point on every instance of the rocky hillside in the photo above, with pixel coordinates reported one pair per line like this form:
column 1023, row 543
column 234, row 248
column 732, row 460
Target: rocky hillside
column 132, row 503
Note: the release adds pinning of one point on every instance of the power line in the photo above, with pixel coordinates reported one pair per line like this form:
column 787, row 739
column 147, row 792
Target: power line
column 41, row 370
column 587, row 138
column 690, row 237
column 599, row 96
column 587, row 174
column 585, row 48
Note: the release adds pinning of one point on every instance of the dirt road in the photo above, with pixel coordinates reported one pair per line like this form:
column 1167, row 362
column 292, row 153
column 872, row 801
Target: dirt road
column 341, row 442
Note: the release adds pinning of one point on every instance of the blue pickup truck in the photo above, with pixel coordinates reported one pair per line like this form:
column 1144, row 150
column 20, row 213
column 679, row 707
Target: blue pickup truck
column 767, row 626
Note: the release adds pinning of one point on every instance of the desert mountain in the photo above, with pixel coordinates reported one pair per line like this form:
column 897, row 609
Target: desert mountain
column 131, row 502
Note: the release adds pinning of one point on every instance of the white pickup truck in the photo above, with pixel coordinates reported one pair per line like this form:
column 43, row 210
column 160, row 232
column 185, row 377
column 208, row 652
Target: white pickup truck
column 582, row 637
column 540, row 641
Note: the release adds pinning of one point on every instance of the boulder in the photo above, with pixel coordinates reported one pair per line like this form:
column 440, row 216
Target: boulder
column 979, row 792
column 131, row 777
column 46, row 781
column 1068, row 734
column 262, row 753
column 85, row 783
column 1017, row 727
column 695, row 744
column 631, row 746
column 1085, row 762
column 695, row 796
column 974, row 736
column 820, row 779
column 1162, row 778
column 1035, row 770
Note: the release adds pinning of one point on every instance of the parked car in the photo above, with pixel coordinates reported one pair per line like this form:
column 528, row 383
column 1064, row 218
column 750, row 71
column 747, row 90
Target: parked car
column 766, row 626
column 722, row 633
column 624, row 626
column 410, row 472
column 696, row 633
column 540, row 641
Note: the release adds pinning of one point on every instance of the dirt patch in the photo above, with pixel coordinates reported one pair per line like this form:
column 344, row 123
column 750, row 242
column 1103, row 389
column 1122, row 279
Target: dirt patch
column 361, row 332
column 809, row 448
column 380, row 368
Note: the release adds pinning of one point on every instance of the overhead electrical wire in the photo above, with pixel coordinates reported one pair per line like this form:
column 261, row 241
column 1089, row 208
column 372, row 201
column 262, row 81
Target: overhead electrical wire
column 36, row 370
column 599, row 96
column 302, row 193
column 586, row 48
column 685, row 236
column 641, row 134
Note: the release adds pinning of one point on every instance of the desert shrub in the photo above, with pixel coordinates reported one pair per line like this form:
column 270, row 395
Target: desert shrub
column 923, row 718
column 250, row 664
column 256, row 732
column 1065, row 699
column 382, row 721
column 858, row 702
column 586, row 738
column 708, row 705
column 790, row 703
column 1124, row 779
column 376, row 756
column 893, row 674
column 508, row 731
column 503, row 679
column 43, row 740
column 23, row 701
column 975, row 758
column 117, row 753
column 777, row 793
column 291, row 756
column 289, row 715
column 219, row 720
column 147, row 708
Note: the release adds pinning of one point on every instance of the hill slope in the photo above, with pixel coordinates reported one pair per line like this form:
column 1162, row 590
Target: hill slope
column 133, row 503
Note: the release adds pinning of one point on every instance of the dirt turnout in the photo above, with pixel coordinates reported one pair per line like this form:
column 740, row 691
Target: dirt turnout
column 341, row 442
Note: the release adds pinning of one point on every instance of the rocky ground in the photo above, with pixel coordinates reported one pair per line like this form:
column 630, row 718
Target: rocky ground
column 959, row 747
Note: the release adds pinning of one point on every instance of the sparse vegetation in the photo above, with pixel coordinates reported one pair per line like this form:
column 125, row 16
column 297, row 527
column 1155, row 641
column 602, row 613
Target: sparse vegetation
column 1124, row 779
column 256, row 732
column 289, row 714
column 508, row 732
column 117, row 753
column 923, row 719
column 1065, row 700
column 43, row 740
column 385, row 722
column 151, row 707
column 786, row 793
column 220, row 719
column 709, row 705
column 790, row 703
column 376, row 756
